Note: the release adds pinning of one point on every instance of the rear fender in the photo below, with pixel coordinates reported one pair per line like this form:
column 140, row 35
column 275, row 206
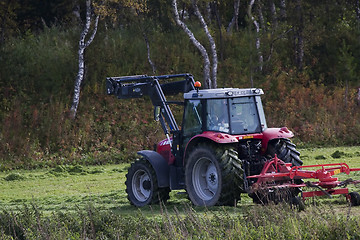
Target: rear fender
column 275, row 133
column 160, row 166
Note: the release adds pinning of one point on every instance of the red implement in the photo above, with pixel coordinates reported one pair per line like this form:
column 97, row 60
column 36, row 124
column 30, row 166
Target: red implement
column 277, row 174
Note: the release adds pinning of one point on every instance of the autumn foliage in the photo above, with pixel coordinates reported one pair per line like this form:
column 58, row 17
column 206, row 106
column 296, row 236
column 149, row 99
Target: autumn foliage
column 317, row 114
column 38, row 69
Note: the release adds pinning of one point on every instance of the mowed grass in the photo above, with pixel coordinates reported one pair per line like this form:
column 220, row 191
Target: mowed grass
column 54, row 189
column 68, row 188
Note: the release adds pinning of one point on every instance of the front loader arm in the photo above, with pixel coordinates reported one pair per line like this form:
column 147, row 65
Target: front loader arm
column 142, row 85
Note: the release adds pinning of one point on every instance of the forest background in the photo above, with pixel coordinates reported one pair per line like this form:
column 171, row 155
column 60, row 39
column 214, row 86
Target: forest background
column 304, row 54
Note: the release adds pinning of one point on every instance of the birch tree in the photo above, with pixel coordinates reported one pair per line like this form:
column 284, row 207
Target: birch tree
column 212, row 46
column 259, row 9
column 148, row 53
column 257, row 29
column 102, row 8
column 299, row 40
column 357, row 10
column 83, row 44
column 234, row 20
column 282, row 10
column 273, row 14
column 210, row 71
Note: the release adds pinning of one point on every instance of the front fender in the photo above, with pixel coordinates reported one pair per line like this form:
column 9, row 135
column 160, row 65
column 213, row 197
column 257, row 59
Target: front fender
column 160, row 166
column 275, row 133
column 215, row 137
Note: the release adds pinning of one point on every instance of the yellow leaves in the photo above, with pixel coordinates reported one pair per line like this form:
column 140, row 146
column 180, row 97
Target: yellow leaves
column 111, row 8
column 104, row 10
column 139, row 5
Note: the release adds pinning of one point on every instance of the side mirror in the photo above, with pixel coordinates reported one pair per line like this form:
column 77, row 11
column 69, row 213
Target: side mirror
column 157, row 110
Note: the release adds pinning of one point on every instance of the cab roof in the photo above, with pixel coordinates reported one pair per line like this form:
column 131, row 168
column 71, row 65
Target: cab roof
column 223, row 93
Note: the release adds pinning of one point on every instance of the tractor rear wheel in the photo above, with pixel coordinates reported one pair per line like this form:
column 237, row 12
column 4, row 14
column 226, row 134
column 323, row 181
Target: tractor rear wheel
column 214, row 176
column 141, row 185
column 285, row 150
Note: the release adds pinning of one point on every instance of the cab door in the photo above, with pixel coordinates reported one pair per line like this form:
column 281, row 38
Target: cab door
column 192, row 121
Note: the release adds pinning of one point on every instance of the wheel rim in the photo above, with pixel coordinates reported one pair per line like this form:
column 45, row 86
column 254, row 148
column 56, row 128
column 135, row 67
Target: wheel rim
column 205, row 178
column 141, row 185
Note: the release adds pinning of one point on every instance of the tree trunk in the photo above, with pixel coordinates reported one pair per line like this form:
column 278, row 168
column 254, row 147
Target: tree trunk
column 357, row 10
column 198, row 45
column 273, row 14
column 82, row 46
column 234, row 20
column 148, row 53
column 76, row 11
column 299, row 40
column 263, row 26
column 282, row 10
column 212, row 46
column 257, row 41
column 218, row 20
column 208, row 12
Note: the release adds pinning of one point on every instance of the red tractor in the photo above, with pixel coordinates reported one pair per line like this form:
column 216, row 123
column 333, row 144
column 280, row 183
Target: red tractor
column 222, row 144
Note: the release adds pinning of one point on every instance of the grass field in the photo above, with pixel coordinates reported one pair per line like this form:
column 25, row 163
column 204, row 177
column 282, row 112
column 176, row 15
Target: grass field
column 70, row 191
column 70, row 187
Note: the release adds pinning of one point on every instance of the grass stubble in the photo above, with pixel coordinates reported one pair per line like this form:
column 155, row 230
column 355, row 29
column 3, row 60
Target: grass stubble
column 77, row 202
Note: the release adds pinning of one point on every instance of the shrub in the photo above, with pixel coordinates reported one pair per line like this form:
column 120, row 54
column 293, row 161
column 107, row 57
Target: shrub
column 14, row 177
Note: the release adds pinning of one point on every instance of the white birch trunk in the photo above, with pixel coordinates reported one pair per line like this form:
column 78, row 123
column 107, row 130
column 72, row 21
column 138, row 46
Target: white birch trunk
column 148, row 54
column 299, row 41
column 198, row 45
column 212, row 46
column 357, row 10
column 273, row 14
column 282, row 10
column 82, row 46
column 234, row 20
column 76, row 11
column 208, row 12
column 257, row 41
column 263, row 26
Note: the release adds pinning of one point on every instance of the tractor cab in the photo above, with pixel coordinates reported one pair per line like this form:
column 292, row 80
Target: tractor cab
column 223, row 140
column 229, row 110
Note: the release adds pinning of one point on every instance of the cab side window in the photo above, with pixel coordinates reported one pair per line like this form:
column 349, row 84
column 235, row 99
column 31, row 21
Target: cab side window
column 217, row 115
column 192, row 118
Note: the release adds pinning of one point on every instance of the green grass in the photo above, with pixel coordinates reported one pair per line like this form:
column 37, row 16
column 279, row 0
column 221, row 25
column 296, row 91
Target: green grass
column 77, row 202
column 349, row 155
column 68, row 188
column 102, row 187
column 52, row 189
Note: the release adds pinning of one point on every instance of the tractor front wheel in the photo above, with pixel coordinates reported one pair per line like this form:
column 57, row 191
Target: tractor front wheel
column 213, row 176
column 141, row 185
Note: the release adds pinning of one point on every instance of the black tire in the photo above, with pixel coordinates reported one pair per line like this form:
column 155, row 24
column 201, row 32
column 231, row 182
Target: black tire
column 142, row 186
column 298, row 203
column 285, row 150
column 354, row 199
column 214, row 176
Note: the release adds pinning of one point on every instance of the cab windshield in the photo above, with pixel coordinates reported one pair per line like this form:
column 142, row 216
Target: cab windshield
column 233, row 115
